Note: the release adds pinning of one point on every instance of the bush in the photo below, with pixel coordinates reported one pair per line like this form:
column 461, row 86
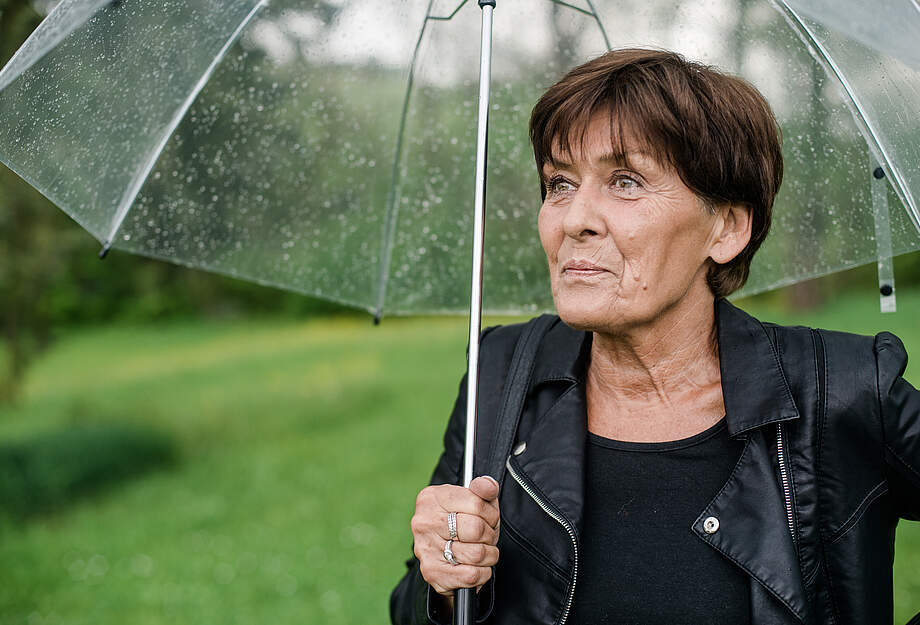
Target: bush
column 53, row 469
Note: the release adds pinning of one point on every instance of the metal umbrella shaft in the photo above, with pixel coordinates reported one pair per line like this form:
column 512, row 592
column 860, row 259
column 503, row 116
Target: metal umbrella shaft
column 464, row 600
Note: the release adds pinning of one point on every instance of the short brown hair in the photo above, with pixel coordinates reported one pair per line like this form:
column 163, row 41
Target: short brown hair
column 716, row 130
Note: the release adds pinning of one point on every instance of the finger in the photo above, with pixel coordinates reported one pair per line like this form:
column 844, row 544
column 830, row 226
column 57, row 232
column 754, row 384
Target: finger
column 445, row 577
column 470, row 529
column 485, row 487
column 475, row 529
column 462, row 576
column 475, row 554
column 430, row 516
column 465, row 501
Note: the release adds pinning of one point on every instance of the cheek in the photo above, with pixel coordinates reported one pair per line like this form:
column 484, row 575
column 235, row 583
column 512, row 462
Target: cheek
column 676, row 253
column 649, row 247
column 550, row 227
column 691, row 238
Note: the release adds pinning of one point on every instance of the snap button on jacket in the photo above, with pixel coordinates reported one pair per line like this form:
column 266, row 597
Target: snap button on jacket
column 831, row 461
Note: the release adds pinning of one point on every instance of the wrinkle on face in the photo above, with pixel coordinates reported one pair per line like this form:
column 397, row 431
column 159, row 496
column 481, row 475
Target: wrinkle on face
column 653, row 239
column 651, row 234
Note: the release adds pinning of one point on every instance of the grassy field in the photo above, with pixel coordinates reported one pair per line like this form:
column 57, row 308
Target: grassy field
column 300, row 449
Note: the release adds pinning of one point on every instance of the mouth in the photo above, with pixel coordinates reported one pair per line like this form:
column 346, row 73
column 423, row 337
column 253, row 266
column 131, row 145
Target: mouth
column 582, row 268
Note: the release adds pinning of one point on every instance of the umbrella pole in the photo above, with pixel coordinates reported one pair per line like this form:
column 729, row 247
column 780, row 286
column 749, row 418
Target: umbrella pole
column 464, row 604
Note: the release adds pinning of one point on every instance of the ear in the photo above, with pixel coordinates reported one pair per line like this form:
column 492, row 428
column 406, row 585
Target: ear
column 731, row 233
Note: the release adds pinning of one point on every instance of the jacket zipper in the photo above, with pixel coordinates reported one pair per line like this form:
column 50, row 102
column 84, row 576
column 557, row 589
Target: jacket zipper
column 562, row 521
column 784, row 477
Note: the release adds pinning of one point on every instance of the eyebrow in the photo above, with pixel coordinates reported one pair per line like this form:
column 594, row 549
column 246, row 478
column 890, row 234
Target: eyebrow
column 608, row 157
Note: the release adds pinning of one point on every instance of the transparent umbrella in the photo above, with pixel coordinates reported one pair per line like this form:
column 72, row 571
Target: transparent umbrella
column 327, row 147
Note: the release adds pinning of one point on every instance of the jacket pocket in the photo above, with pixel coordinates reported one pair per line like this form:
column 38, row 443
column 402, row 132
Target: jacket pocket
column 524, row 545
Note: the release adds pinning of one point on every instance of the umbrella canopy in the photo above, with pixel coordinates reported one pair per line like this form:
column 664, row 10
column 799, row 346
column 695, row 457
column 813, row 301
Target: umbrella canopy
column 327, row 147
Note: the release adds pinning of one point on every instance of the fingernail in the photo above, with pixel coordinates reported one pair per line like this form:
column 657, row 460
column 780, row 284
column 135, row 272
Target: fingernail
column 494, row 481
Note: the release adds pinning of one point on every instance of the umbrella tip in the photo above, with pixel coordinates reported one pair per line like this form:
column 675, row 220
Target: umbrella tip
column 879, row 173
column 376, row 319
column 104, row 251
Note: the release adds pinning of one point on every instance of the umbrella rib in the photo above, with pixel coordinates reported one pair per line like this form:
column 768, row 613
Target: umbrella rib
column 444, row 18
column 591, row 13
column 863, row 122
column 389, row 225
column 63, row 20
column 599, row 25
column 572, row 6
column 140, row 177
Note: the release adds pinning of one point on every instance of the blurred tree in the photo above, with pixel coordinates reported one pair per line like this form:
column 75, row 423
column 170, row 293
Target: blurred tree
column 22, row 228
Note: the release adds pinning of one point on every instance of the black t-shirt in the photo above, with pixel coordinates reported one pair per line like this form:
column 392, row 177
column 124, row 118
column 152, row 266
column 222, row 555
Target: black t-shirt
column 639, row 561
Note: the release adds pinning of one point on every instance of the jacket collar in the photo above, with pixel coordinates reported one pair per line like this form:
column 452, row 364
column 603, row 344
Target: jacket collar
column 563, row 357
column 754, row 386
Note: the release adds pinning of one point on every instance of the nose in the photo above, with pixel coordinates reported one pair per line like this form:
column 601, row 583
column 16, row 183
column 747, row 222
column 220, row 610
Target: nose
column 582, row 218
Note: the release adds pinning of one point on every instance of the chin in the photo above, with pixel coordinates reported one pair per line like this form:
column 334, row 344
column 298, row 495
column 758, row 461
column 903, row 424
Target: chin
column 590, row 314
column 591, row 311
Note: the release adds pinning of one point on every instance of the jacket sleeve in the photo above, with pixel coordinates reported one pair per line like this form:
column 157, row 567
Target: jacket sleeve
column 413, row 601
column 899, row 404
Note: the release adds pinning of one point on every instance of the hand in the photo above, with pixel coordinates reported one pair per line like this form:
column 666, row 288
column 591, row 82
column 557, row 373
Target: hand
column 477, row 534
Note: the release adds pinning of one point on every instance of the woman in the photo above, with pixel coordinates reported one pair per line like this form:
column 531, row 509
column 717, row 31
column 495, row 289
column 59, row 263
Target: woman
column 676, row 460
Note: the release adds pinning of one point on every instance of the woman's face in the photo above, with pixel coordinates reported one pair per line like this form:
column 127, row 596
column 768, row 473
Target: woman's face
column 625, row 242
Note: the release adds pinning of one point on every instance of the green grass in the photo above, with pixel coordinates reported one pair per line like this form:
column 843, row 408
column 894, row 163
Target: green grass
column 301, row 446
column 300, row 449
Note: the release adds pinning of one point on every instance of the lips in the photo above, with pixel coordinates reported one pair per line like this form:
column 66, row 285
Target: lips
column 581, row 268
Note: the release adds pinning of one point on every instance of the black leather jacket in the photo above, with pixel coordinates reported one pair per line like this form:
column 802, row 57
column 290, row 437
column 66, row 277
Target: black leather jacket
column 831, row 461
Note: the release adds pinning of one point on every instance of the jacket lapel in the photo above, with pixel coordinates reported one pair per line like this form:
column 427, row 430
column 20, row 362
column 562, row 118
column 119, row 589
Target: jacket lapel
column 753, row 530
column 556, row 425
column 554, row 459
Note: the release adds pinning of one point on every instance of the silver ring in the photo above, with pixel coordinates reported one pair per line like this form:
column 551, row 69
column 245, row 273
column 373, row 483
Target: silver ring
column 448, row 554
column 452, row 525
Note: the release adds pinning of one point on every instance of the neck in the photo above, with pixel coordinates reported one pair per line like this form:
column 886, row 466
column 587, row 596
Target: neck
column 657, row 380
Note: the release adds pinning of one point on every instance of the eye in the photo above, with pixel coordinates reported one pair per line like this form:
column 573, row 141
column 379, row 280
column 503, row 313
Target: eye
column 558, row 185
column 625, row 184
